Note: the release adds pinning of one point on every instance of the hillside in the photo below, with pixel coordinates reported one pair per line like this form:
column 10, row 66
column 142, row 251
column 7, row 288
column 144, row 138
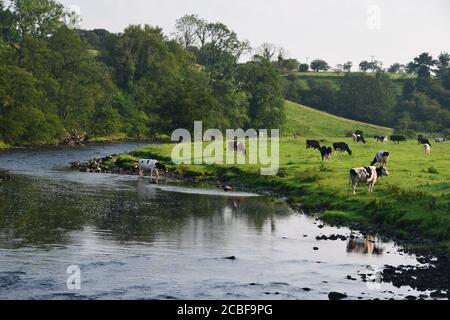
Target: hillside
column 308, row 122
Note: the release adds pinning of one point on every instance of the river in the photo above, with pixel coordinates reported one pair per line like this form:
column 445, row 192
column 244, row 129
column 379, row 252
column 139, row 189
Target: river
column 134, row 240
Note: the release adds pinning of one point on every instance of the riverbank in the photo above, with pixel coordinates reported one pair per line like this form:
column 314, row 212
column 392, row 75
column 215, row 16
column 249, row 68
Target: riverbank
column 411, row 206
column 3, row 146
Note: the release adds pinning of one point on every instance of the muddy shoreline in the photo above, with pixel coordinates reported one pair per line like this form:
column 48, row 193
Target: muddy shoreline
column 433, row 277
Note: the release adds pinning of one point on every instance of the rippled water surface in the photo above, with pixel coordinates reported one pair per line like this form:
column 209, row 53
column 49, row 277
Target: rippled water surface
column 135, row 240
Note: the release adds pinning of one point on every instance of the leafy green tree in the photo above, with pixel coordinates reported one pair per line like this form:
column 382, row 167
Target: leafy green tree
column 304, row 67
column 319, row 65
column 364, row 66
column 367, row 98
column 348, row 66
column 395, row 68
column 263, row 83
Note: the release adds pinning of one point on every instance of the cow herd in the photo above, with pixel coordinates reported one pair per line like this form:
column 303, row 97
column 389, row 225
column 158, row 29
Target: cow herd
column 371, row 174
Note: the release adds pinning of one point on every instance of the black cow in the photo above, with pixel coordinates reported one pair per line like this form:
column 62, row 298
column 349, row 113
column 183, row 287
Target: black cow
column 397, row 139
column 312, row 144
column 326, row 152
column 342, row 147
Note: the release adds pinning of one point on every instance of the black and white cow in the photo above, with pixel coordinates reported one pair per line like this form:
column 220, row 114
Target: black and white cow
column 237, row 147
column 342, row 147
column 151, row 165
column 425, row 141
column 326, row 152
column 312, row 144
column 382, row 157
column 383, row 139
column 440, row 140
column 369, row 175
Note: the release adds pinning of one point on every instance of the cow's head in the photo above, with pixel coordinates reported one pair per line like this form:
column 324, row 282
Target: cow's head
column 383, row 172
column 161, row 166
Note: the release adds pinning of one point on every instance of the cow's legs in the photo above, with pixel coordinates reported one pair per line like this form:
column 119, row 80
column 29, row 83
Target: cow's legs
column 355, row 184
column 141, row 171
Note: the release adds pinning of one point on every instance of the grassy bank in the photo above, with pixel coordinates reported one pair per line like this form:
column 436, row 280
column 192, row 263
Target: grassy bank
column 412, row 204
column 3, row 146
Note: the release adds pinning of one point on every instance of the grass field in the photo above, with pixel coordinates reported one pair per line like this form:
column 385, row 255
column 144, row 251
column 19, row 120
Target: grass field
column 413, row 203
column 305, row 121
column 394, row 76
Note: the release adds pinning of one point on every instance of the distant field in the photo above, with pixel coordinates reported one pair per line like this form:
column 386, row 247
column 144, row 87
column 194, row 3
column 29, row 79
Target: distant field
column 395, row 76
column 308, row 122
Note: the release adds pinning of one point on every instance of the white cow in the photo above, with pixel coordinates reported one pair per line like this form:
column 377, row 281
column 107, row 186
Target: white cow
column 369, row 175
column 427, row 149
column 152, row 166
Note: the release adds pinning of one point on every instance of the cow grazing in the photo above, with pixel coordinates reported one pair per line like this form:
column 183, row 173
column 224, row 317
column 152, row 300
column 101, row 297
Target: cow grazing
column 369, row 175
column 383, row 139
column 427, row 149
column 440, row 140
column 152, row 166
column 312, row 144
column 361, row 139
column 342, row 147
column 382, row 157
column 358, row 138
column 237, row 146
column 397, row 139
column 326, row 152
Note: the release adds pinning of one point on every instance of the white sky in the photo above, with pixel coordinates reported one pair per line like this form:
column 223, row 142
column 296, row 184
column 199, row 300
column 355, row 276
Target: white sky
column 334, row 30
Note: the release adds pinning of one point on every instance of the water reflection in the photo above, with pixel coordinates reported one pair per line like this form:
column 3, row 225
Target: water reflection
column 368, row 246
column 40, row 211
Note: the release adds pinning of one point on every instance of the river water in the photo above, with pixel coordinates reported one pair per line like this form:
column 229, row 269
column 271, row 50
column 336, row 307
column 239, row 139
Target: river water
column 131, row 239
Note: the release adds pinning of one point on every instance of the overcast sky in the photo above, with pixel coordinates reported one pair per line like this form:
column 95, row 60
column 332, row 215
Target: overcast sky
column 334, row 30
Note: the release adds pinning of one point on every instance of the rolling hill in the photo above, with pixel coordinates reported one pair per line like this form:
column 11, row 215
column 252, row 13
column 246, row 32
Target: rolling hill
column 309, row 122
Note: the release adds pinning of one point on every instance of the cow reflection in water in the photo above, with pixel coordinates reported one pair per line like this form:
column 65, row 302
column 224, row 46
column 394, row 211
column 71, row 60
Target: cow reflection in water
column 365, row 246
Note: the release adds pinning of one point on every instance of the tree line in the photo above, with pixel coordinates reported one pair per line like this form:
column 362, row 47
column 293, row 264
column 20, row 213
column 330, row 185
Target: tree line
column 420, row 104
column 56, row 79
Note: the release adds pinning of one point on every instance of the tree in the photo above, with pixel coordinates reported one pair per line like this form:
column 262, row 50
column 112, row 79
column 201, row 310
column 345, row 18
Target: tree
column 423, row 65
column 364, row 66
column 263, row 83
column 186, row 30
column 339, row 69
column 443, row 61
column 360, row 93
column 304, row 67
column 319, row 65
column 395, row 68
column 266, row 51
column 375, row 66
column 348, row 66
